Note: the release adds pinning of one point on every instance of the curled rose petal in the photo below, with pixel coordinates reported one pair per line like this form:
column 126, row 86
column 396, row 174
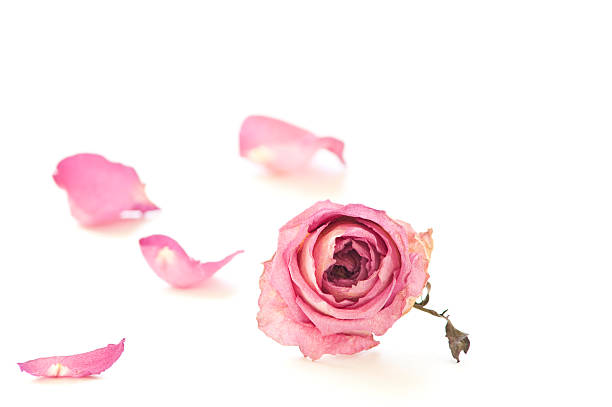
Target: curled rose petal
column 100, row 191
column 280, row 146
column 170, row 262
column 340, row 275
column 80, row 365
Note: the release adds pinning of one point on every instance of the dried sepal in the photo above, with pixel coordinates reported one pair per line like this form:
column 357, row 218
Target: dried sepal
column 457, row 341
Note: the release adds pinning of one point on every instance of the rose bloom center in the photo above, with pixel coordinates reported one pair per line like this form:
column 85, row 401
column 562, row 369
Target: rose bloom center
column 349, row 267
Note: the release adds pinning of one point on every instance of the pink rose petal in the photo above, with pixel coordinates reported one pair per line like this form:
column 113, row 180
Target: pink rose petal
column 83, row 364
column 377, row 325
column 274, row 320
column 280, row 146
column 100, row 191
column 170, row 262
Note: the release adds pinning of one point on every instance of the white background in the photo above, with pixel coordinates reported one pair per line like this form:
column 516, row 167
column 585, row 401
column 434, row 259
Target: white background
column 488, row 121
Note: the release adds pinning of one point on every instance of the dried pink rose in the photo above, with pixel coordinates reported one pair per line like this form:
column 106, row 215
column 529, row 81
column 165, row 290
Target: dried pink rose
column 170, row 262
column 81, row 365
column 280, row 146
column 100, row 191
column 340, row 275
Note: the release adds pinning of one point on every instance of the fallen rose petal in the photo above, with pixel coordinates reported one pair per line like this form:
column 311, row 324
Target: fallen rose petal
column 80, row 365
column 170, row 262
column 280, row 146
column 100, row 191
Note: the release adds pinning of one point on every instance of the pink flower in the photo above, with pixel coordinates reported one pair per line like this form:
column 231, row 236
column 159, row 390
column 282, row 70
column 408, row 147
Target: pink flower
column 80, row 365
column 340, row 275
column 280, row 146
column 100, row 191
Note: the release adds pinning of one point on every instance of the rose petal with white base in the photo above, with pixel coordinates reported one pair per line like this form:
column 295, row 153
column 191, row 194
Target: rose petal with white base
column 170, row 262
column 282, row 147
column 101, row 192
column 79, row 365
